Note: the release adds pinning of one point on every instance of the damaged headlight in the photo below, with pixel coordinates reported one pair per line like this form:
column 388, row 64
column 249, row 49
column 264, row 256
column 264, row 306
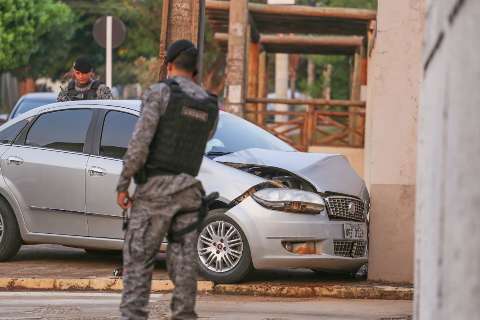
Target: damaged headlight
column 296, row 201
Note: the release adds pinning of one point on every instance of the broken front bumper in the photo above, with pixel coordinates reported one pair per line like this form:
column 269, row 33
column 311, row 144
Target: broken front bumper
column 270, row 233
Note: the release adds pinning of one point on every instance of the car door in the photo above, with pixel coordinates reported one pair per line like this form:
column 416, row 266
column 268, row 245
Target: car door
column 104, row 217
column 46, row 172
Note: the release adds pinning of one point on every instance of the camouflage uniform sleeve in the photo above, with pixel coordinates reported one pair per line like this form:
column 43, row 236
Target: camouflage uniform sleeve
column 104, row 93
column 154, row 104
column 63, row 96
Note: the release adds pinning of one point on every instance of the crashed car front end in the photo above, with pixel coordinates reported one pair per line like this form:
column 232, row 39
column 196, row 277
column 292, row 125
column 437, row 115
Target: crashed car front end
column 298, row 216
column 280, row 239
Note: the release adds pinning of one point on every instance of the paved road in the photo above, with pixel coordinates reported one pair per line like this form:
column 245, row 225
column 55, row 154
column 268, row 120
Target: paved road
column 103, row 306
column 51, row 261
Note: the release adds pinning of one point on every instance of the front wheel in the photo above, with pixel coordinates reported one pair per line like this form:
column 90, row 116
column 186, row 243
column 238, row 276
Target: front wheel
column 222, row 249
column 10, row 238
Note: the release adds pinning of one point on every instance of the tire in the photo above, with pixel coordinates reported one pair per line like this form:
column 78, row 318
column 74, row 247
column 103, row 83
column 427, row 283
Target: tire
column 234, row 267
column 10, row 238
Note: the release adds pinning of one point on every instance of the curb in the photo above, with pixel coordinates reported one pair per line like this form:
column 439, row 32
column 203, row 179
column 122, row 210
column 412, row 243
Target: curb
column 325, row 291
column 94, row 284
column 382, row 292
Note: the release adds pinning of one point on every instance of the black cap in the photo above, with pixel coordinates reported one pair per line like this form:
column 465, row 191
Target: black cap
column 176, row 48
column 83, row 65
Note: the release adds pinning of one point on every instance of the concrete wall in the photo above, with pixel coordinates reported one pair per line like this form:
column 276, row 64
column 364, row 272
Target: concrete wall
column 448, row 190
column 354, row 155
column 394, row 78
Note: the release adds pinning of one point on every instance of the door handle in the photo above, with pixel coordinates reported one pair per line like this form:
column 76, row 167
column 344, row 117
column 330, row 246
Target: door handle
column 96, row 171
column 14, row 160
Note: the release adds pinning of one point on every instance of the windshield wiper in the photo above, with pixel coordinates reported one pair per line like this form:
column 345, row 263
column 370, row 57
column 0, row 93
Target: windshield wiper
column 213, row 154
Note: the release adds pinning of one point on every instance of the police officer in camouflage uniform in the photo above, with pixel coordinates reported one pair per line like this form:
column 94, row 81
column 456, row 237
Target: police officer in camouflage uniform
column 164, row 156
column 83, row 86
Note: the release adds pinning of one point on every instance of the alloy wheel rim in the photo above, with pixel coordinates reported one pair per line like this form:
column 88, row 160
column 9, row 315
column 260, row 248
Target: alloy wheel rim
column 2, row 227
column 220, row 246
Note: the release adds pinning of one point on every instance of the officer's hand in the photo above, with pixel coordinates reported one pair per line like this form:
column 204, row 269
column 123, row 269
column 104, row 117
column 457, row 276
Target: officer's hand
column 124, row 200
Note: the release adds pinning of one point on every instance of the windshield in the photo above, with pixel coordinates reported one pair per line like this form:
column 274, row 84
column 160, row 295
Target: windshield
column 234, row 134
column 28, row 104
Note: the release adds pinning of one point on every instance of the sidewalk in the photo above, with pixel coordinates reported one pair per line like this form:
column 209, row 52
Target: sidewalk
column 58, row 268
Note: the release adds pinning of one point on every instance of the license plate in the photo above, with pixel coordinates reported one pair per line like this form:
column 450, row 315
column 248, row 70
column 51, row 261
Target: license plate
column 353, row 231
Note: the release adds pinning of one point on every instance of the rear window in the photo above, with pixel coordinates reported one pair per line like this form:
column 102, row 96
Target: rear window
column 28, row 104
column 8, row 135
column 61, row 130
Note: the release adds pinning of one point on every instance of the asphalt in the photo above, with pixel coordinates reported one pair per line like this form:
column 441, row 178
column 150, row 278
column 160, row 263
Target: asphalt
column 104, row 306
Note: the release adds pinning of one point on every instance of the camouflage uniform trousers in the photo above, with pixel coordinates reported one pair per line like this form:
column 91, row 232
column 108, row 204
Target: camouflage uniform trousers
column 150, row 220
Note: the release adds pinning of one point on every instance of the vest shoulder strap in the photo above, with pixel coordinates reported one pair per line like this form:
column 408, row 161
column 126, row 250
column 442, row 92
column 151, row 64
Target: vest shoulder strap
column 71, row 85
column 96, row 84
column 170, row 83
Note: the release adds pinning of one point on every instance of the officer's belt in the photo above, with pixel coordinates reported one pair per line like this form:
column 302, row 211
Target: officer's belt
column 142, row 176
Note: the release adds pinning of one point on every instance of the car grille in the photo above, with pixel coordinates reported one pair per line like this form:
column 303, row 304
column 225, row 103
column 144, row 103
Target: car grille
column 349, row 248
column 346, row 208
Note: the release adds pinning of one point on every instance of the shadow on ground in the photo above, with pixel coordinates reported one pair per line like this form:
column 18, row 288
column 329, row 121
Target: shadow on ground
column 52, row 261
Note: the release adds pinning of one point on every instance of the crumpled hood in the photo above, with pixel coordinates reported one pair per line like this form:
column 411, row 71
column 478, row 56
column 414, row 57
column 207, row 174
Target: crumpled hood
column 327, row 172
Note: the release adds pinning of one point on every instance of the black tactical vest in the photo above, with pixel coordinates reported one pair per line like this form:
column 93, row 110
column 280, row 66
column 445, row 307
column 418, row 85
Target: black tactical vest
column 90, row 94
column 182, row 134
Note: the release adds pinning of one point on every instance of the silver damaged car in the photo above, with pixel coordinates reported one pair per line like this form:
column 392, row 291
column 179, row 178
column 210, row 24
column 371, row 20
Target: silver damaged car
column 278, row 208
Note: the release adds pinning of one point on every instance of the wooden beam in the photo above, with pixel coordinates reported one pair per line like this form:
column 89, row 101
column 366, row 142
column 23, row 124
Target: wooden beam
column 262, row 85
column 252, row 77
column 297, row 10
column 302, row 40
column 333, row 41
column 354, row 121
column 314, row 102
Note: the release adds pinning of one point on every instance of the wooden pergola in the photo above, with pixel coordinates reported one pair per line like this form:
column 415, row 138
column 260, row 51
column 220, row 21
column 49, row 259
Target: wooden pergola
column 249, row 30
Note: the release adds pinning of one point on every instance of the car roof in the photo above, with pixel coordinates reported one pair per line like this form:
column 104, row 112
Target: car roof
column 128, row 104
column 133, row 105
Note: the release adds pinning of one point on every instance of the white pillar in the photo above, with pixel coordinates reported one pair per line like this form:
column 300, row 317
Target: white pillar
column 394, row 77
column 281, row 72
column 448, row 194
column 281, row 83
column 108, row 67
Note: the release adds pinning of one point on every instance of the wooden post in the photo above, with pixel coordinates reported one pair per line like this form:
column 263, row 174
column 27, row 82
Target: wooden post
column 356, row 85
column 327, row 82
column 180, row 20
column 262, row 86
column 310, row 72
column 236, row 57
column 252, row 92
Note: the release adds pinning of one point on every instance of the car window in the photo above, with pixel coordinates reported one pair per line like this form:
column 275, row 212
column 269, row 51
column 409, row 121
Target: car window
column 117, row 131
column 28, row 104
column 61, row 130
column 9, row 134
column 235, row 134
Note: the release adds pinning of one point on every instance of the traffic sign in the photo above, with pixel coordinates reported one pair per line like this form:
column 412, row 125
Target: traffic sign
column 119, row 32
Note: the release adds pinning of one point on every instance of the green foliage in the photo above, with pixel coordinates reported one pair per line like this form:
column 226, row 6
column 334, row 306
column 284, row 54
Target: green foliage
column 363, row 4
column 27, row 27
column 143, row 21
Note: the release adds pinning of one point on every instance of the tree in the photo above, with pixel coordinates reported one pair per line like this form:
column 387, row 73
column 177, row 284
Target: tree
column 27, row 27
